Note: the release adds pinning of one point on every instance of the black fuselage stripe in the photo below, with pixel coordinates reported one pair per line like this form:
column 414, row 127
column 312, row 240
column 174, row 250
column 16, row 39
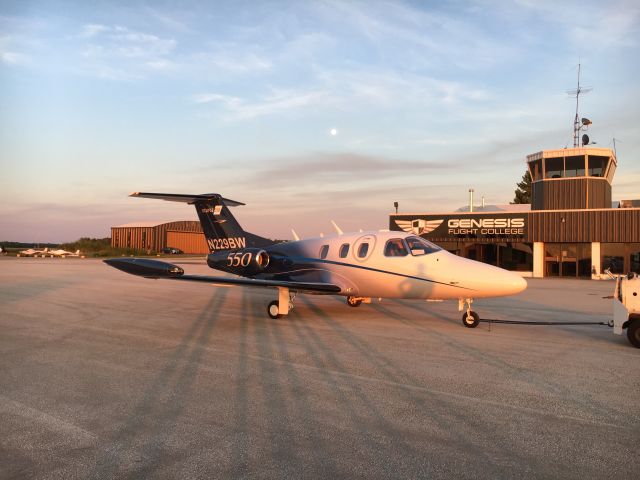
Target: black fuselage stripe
column 332, row 262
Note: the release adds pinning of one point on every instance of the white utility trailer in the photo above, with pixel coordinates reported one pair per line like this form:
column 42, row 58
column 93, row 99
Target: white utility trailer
column 626, row 307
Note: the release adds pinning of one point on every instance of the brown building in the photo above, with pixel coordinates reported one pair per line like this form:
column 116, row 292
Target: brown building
column 154, row 236
column 570, row 228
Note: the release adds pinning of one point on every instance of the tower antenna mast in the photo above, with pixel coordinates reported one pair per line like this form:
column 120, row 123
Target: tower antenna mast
column 576, row 122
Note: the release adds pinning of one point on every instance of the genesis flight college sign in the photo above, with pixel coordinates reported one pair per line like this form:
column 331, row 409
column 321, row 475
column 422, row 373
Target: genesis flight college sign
column 464, row 226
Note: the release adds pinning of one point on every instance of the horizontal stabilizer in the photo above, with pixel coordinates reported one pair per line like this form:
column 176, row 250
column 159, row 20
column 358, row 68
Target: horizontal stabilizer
column 188, row 198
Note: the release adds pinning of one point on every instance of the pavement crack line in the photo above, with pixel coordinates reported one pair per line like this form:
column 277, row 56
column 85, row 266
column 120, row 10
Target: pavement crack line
column 13, row 407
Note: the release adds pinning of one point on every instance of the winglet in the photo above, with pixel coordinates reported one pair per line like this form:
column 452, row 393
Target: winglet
column 338, row 230
column 295, row 235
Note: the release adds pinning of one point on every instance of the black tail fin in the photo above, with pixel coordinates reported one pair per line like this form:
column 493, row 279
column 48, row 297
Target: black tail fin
column 220, row 227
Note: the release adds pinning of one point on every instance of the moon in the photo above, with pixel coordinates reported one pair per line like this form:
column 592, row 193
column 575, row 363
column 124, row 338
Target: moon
column 333, row 132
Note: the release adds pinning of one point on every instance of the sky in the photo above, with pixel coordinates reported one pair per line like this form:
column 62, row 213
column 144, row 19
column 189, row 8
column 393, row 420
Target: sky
column 307, row 111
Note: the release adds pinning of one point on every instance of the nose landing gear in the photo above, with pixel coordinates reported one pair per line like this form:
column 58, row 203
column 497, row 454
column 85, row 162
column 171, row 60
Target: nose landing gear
column 470, row 319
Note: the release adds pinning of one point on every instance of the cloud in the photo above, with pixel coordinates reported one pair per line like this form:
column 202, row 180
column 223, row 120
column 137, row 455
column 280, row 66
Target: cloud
column 119, row 53
column 354, row 90
column 278, row 101
column 9, row 50
column 586, row 26
column 385, row 87
column 230, row 58
column 136, row 54
column 92, row 29
column 411, row 37
column 323, row 165
column 13, row 58
column 118, row 41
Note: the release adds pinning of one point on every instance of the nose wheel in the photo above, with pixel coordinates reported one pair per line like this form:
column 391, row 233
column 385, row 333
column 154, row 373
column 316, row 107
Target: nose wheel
column 470, row 319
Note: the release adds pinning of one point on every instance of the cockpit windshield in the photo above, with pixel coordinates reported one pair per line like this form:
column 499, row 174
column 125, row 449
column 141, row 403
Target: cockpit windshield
column 420, row 246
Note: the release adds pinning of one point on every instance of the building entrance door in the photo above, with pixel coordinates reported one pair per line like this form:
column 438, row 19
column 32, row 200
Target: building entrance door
column 567, row 260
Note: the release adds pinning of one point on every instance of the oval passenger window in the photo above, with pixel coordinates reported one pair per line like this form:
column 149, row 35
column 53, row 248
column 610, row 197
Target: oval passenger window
column 363, row 250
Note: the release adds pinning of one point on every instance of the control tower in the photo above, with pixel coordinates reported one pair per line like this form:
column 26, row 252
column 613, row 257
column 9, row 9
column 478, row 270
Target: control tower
column 571, row 178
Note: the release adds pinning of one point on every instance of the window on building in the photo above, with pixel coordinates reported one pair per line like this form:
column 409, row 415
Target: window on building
column 395, row 248
column 634, row 259
column 420, row 246
column 363, row 250
column 324, row 251
column 554, row 167
column 574, row 166
column 515, row 256
column 613, row 257
column 597, row 165
column 129, row 239
column 535, row 169
column 611, row 171
column 144, row 239
column 344, row 250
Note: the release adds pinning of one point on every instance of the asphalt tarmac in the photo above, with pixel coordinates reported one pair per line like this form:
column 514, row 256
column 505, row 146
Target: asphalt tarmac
column 106, row 375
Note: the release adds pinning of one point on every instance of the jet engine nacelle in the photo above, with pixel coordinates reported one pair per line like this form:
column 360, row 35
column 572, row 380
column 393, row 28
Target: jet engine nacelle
column 247, row 261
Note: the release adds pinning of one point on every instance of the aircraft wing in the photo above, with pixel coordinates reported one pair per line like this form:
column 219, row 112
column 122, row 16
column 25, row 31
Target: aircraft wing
column 148, row 268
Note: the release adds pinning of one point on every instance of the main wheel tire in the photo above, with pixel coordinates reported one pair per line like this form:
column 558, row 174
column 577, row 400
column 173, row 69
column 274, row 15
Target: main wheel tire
column 273, row 309
column 633, row 332
column 471, row 320
column 353, row 302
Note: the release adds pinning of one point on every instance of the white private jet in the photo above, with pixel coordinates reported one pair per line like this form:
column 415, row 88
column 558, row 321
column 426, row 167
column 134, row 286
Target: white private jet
column 63, row 253
column 359, row 266
column 30, row 252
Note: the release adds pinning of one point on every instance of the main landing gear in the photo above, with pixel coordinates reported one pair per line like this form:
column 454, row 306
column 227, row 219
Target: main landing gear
column 470, row 319
column 357, row 301
column 281, row 307
column 354, row 301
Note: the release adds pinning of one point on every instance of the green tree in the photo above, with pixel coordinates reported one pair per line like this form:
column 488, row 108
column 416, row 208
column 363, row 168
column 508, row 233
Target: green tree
column 523, row 192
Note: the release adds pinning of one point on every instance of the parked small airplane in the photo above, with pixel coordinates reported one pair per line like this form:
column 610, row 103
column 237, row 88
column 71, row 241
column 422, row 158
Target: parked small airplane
column 358, row 266
column 63, row 253
column 30, row 252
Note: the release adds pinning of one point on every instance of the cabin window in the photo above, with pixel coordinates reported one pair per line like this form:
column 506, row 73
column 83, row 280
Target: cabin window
column 395, row 248
column 344, row 250
column 363, row 250
column 420, row 246
column 324, row 250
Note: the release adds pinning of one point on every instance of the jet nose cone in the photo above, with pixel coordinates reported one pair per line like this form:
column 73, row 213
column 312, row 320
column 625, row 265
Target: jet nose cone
column 518, row 284
column 505, row 283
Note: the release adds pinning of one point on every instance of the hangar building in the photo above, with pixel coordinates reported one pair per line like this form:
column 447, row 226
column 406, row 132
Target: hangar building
column 154, row 236
column 569, row 230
